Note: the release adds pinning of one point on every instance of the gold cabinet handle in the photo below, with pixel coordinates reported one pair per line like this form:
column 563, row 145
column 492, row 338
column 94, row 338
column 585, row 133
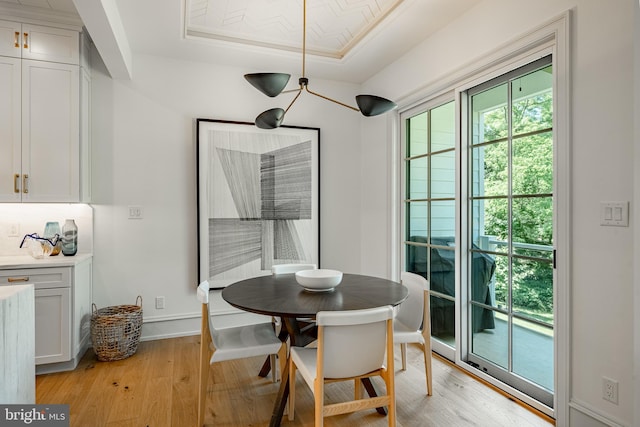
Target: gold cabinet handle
column 18, row 279
column 16, row 39
column 25, row 183
column 26, row 41
column 16, row 180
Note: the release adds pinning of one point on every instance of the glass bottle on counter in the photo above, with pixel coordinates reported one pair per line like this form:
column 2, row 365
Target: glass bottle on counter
column 51, row 230
column 69, row 238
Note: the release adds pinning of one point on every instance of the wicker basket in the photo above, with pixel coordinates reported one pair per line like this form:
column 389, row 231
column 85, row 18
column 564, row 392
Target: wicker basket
column 115, row 330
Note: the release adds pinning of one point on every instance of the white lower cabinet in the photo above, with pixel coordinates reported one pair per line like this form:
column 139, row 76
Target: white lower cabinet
column 62, row 312
column 53, row 325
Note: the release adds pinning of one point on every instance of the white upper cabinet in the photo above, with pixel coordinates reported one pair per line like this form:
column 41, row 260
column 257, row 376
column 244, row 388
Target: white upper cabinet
column 50, row 132
column 10, row 129
column 40, row 155
column 28, row 41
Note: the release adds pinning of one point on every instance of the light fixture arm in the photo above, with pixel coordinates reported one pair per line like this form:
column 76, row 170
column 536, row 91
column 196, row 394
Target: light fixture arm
column 295, row 98
column 330, row 99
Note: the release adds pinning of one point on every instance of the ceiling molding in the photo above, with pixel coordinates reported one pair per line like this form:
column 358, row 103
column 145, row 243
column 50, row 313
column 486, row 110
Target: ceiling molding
column 334, row 27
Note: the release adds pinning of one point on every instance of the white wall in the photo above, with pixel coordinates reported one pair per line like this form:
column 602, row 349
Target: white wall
column 602, row 169
column 144, row 153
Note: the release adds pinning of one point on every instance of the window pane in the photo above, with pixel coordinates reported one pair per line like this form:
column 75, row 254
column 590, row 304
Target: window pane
column 443, row 322
column 443, row 131
column 443, row 271
column 417, row 143
column 443, row 175
column 489, row 169
column 531, row 339
column 443, row 219
column 482, row 281
column 417, row 220
column 417, row 257
column 500, row 283
column 532, row 224
column 489, row 111
column 532, row 167
column 417, row 178
column 532, row 101
column 533, row 289
column 493, row 344
column 490, row 225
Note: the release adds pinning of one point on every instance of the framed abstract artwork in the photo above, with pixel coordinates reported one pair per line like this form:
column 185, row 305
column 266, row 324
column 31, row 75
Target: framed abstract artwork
column 258, row 199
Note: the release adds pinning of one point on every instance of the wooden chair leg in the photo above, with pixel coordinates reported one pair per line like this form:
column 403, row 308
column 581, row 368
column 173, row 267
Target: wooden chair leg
column 282, row 360
column 426, row 349
column 292, row 388
column 205, row 340
column 274, row 369
column 318, row 398
column 403, row 351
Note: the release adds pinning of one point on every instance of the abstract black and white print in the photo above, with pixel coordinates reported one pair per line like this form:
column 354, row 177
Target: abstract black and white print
column 258, row 191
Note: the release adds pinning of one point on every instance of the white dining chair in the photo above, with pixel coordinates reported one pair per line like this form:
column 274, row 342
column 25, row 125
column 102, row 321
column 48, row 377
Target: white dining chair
column 291, row 268
column 412, row 322
column 352, row 345
column 233, row 343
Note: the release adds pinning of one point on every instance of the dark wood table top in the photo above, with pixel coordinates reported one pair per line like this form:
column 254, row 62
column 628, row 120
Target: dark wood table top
column 282, row 296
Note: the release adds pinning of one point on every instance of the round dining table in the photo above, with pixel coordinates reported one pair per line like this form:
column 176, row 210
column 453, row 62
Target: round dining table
column 282, row 296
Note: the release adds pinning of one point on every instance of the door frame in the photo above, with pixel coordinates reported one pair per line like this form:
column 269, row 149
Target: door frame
column 552, row 38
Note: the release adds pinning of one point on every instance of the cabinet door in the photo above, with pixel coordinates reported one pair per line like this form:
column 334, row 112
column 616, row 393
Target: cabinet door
column 10, row 129
column 10, row 39
column 50, row 44
column 50, row 137
column 53, row 325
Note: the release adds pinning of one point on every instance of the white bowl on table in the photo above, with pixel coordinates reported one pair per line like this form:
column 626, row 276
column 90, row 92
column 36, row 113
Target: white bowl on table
column 319, row 280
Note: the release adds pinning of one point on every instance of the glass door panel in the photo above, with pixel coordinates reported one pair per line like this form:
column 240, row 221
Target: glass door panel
column 510, row 258
column 430, row 209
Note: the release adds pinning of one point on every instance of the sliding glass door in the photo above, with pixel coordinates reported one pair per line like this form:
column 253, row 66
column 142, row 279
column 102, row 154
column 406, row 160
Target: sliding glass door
column 479, row 221
column 510, row 256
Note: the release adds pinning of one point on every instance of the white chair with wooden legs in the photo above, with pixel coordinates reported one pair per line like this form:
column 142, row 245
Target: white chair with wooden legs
column 291, row 268
column 352, row 345
column 412, row 323
column 233, row 343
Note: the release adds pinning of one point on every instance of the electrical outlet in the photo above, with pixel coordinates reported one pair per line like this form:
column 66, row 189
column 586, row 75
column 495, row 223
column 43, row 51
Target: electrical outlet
column 14, row 230
column 610, row 390
column 159, row 303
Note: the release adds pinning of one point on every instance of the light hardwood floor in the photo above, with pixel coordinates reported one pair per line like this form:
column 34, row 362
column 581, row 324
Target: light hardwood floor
column 157, row 387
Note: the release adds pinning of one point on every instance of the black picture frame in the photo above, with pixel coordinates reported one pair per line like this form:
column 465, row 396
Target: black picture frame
column 258, row 199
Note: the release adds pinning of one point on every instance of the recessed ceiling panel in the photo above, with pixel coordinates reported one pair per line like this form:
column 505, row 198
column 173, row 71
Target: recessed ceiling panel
column 333, row 26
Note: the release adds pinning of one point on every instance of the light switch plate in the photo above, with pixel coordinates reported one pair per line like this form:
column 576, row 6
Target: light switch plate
column 135, row 212
column 614, row 214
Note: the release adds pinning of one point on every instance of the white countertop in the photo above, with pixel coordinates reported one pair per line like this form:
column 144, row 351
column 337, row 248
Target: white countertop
column 27, row 261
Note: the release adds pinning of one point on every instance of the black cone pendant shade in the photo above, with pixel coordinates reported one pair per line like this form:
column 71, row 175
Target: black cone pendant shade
column 271, row 84
column 372, row 105
column 270, row 119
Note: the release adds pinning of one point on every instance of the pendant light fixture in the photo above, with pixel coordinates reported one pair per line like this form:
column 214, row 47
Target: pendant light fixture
column 273, row 84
